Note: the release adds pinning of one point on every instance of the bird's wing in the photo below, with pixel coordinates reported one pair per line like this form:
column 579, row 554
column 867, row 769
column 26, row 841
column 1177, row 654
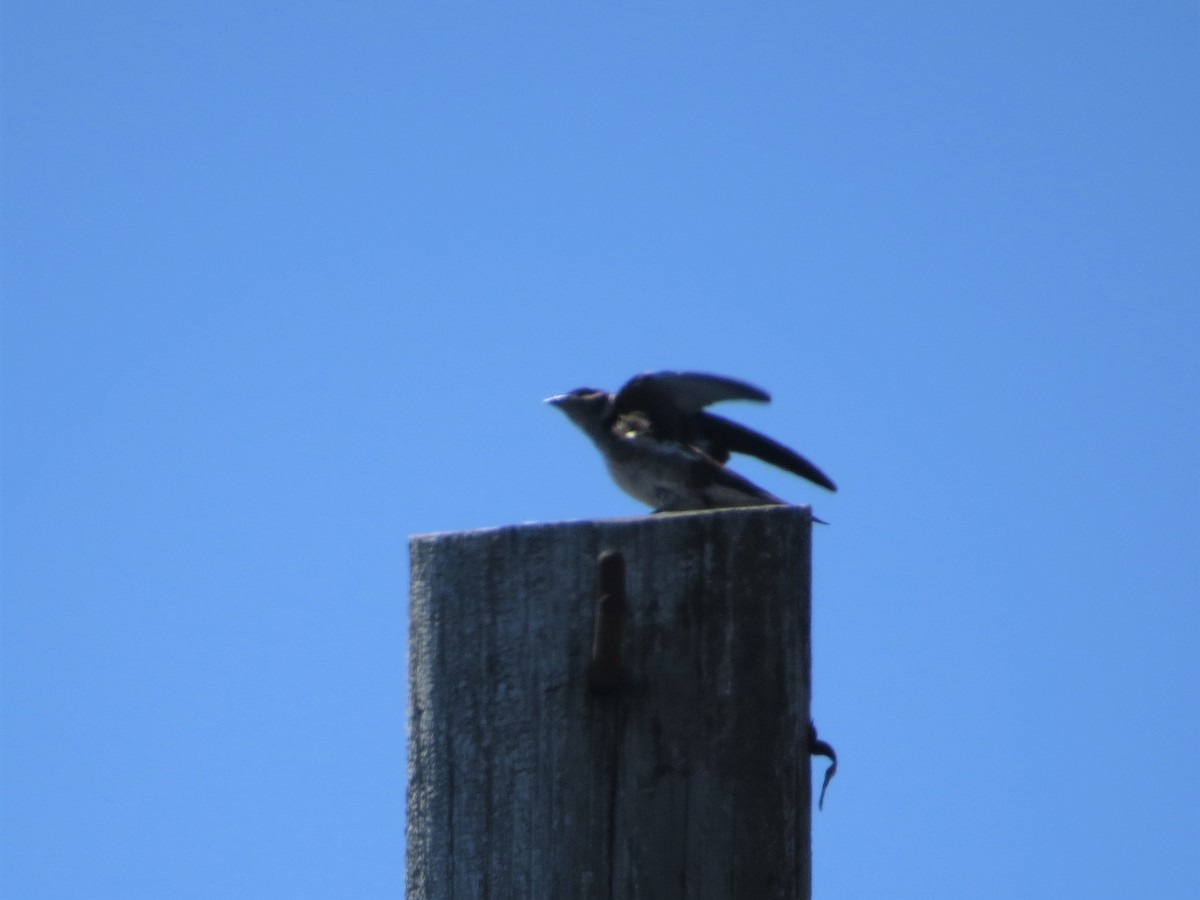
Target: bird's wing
column 670, row 394
column 711, row 475
column 718, row 437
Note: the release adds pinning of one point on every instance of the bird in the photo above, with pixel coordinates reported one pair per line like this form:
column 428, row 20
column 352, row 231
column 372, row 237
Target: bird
column 662, row 448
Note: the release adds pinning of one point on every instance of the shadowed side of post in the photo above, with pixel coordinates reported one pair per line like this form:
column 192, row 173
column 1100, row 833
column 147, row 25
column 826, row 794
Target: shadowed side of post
column 688, row 776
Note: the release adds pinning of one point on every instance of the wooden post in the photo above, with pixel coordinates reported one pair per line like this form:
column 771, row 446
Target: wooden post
column 690, row 780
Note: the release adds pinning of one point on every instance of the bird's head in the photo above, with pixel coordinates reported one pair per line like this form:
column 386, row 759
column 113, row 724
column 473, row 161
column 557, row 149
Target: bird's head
column 586, row 407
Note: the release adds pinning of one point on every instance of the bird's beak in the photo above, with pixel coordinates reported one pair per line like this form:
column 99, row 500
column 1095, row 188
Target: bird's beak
column 556, row 400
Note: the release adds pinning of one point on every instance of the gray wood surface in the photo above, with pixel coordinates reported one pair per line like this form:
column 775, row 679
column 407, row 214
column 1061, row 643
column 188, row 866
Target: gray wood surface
column 691, row 780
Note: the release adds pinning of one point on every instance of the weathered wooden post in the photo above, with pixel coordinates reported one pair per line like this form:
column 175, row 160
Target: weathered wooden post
column 689, row 780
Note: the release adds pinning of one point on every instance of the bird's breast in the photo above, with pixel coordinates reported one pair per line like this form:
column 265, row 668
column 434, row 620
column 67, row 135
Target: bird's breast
column 651, row 471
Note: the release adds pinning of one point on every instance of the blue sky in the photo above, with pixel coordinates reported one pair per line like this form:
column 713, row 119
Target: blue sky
column 286, row 283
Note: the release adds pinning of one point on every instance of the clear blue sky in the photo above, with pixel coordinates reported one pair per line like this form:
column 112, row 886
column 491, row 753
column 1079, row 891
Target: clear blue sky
column 285, row 283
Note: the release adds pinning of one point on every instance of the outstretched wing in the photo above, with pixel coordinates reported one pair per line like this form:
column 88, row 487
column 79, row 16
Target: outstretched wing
column 682, row 392
column 718, row 437
column 670, row 407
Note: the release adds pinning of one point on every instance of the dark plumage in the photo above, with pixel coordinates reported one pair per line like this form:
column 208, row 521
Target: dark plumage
column 664, row 449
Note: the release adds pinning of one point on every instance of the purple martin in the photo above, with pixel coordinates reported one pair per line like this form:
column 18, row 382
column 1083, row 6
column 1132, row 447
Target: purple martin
column 663, row 449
